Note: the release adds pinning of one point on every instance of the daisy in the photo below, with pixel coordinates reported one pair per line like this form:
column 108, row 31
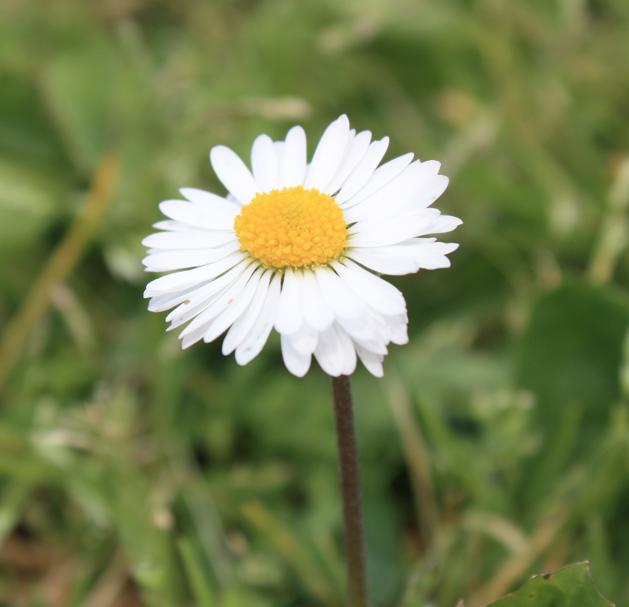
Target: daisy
column 298, row 248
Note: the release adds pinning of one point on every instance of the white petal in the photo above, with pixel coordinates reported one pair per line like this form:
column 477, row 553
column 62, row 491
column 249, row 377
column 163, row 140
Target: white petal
column 416, row 183
column 223, row 281
column 415, row 196
column 297, row 363
column 337, row 295
column 233, row 173
column 395, row 229
column 384, row 231
column 253, row 343
column 189, row 278
column 437, row 187
column 379, row 178
column 193, row 239
column 398, row 328
column 224, row 299
column 177, row 260
column 378, row 293
column 433, row 257
column 357, row 150
column 161, row 303
column 334, row 352
column 187, row 311
column 386, row 260
column 317, row 313
column 217, row 204
column 201, row 298
column 443, row 223
column 178, row 226
column 413, row 221
column 372, row 362
column 305, row 340
column 289, row 309
column 349, row 352
column 234, row 309
column 328, row 155
column 384, row 333
column 295, row 157
column 366, row 332
column 193, row 337
column 264, row 164
column 348, row 146
column 205, row 297
column 329, row 352
column 238, row 331
column 404, row 259
column 364, row 170
column 194, row 215
column 281, row 159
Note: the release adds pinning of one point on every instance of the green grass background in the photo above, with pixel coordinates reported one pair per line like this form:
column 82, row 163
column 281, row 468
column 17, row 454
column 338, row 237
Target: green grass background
column 497, row 445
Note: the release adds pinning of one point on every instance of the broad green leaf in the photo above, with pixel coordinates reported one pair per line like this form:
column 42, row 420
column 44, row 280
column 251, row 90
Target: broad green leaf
column 569, row 358
column 86, row 91
column 26, row 131
column 571, row 350
column 29, row 201
column 571, row 586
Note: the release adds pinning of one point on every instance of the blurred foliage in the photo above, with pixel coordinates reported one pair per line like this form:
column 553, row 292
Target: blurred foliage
column 496, row 446
column 569, row 586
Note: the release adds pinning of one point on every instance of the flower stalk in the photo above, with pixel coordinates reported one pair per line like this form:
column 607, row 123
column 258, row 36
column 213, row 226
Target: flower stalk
column 350, row 492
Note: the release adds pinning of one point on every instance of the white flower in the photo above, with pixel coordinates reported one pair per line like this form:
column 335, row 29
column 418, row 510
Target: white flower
column 294, row 246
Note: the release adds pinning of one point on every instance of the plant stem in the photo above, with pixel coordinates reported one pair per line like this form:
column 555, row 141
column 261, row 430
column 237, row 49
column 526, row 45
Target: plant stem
column 350, row 492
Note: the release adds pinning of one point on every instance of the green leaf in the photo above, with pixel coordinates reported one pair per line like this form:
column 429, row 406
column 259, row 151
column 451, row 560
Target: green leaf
column 198, row 580
column 571, row 351
column 30, row 199
column 571, row 586
column 86, row 88
column 569, row 358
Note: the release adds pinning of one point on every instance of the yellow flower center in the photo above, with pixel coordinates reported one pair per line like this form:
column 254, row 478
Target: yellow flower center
column 292, row 227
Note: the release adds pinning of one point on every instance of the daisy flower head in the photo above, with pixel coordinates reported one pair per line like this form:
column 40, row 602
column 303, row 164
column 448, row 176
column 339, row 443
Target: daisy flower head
column 298, row 248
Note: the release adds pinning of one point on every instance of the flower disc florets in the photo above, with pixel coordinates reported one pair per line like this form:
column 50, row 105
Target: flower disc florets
column 292, row 227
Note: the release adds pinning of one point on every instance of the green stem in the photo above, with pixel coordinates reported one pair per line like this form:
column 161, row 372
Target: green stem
column 350, row 492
